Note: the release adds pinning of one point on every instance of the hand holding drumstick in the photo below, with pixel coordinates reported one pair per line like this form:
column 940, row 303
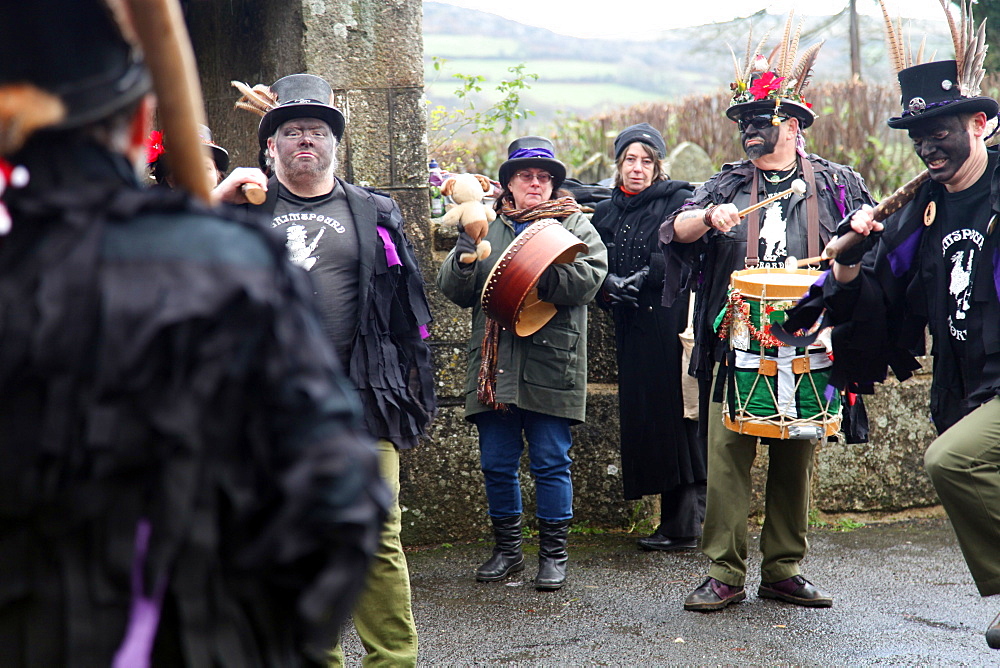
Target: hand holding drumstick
column 724, row 217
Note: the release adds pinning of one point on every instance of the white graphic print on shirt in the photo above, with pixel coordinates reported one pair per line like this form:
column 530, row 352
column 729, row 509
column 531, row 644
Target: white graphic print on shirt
column 960, row 250
column 774, row 249
column 299, row 251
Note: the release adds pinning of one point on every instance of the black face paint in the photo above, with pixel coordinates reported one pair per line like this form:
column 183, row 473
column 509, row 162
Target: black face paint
column 758, row 143
column 943, row 145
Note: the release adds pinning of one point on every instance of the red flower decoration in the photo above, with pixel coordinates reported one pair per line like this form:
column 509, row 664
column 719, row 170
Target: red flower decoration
column 154, row 147
column 768, row 83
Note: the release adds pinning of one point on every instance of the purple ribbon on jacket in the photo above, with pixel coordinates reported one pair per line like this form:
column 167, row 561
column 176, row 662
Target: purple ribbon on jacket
column 531, row 153
column 392, row 259
column 144, row 613
column 996, row 271
column 901, row 257
column 391, row 254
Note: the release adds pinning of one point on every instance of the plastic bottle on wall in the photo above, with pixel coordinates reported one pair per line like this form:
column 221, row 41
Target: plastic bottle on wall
column 437, row 199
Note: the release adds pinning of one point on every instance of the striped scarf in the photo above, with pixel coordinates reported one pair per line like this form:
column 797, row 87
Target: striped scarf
column 553, row 208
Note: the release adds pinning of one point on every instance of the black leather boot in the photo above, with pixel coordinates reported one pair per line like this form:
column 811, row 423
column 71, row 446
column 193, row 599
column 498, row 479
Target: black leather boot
column 507, row 557
column 552, row 556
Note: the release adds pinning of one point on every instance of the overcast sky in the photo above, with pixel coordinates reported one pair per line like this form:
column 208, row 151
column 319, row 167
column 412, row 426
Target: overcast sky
column 645, row 19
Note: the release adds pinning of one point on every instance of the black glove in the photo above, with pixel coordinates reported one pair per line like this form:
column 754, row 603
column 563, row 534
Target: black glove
column 855, row 253
column 638, row 279
column 620, row 291
column 464, row 244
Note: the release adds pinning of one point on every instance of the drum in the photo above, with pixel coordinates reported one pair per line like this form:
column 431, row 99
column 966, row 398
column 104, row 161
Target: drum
column 780, row 391
column 510, row 295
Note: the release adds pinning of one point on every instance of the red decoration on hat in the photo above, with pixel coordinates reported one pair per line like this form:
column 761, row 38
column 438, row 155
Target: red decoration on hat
column 768, row 83
column 154, row 147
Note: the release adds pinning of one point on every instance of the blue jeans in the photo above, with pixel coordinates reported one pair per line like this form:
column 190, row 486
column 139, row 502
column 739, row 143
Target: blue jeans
column 500, row 448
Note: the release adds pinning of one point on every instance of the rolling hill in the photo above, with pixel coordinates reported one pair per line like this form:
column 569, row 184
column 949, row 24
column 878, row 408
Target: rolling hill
column 586, row 76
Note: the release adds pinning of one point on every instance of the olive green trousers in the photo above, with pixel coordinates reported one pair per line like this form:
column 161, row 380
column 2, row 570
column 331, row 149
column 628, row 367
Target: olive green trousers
column 383, row 616
column 964, row 465
column 783, row 541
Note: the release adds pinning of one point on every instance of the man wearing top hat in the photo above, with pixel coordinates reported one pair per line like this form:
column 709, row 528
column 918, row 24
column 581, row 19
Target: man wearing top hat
column 183, row 481
column 706, row 240
column 371, row 297
column 937, row 265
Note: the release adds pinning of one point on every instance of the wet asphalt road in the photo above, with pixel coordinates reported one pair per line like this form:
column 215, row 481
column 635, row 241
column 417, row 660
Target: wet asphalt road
column 903, row 597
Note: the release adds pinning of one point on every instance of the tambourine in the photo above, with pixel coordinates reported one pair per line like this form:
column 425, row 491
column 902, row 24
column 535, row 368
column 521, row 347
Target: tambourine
column 510, row 295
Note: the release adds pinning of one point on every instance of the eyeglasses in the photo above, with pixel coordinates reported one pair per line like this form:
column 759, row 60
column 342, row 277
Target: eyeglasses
column 760, row 122
column 528, row 177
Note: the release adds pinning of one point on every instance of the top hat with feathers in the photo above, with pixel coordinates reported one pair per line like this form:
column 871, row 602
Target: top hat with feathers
column 943, row 87
column 294, row 96
column 774, row 84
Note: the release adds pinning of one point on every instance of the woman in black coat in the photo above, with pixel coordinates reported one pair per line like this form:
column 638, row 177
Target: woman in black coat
column 661, row 451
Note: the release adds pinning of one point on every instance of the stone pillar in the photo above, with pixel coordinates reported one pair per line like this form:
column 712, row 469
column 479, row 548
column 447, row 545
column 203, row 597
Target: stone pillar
column 371, row 52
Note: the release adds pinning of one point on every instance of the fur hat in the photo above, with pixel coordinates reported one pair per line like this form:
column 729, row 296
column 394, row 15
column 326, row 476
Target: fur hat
column 532, row 151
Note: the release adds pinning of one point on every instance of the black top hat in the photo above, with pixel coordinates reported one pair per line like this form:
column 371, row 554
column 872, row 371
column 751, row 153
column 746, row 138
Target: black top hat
column 532, row 152
column 219, row 154
column 931, row 89
column 301, row 96
column 643, row 132
column 74, row 50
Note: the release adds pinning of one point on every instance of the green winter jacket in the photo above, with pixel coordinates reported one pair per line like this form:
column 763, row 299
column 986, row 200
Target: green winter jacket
column 547, row 371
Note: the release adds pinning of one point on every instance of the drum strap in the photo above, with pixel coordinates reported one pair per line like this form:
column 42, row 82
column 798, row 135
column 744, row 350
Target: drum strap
column 812, row 209
column 753, row 224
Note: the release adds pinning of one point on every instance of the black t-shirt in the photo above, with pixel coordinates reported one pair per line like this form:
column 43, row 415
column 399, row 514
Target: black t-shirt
column 322, row 239
column 962, row 219
column 773, row 244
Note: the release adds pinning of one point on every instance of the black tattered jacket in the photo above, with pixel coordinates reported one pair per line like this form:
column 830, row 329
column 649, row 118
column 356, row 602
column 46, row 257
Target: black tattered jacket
column 390, row 363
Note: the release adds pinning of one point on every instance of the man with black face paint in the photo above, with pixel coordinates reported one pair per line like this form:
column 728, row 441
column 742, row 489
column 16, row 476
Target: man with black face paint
column 937, row 265
column 705, row 241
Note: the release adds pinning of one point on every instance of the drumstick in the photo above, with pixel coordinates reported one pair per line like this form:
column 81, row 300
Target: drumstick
column 886, row 208
column 160, row 27
column 798, row 187
column 254, row 193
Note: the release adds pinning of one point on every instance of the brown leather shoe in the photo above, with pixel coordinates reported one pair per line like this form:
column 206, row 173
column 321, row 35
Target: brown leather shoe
column 993, row 633
column 797, row 591
column 713, row 595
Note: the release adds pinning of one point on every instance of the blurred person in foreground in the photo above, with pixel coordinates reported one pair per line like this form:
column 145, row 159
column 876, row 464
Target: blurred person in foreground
column 532, row 387
column 184, row 480
column 661, row 450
